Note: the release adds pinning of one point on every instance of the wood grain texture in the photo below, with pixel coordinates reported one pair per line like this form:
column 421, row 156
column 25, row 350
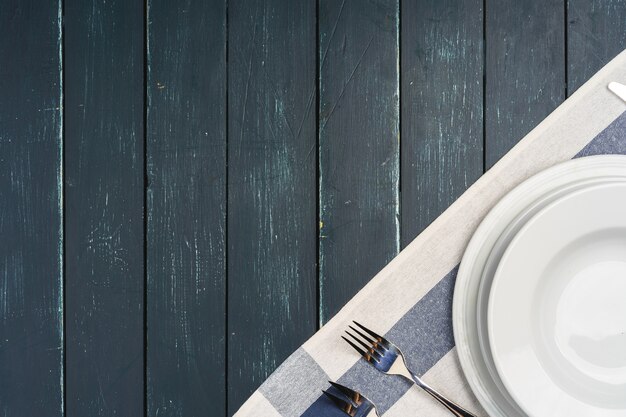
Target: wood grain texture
column 358, row 115
column 104, row 183
column 596, row 34
column 525, row 69
column 442, row 107
column 236, row 219
column 186, row 204
column 271, row 188
column 31, row 280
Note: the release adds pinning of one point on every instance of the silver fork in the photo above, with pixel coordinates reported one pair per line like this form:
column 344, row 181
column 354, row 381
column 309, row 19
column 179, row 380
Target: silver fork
column 387, row 358
column 351, row 402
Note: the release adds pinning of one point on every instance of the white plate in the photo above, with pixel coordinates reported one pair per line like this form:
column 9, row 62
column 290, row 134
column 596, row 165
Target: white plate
column 482, row 255
column 557, row 307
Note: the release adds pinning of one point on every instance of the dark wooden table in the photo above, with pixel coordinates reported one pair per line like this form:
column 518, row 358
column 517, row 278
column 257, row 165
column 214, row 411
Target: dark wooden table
column 189, row 189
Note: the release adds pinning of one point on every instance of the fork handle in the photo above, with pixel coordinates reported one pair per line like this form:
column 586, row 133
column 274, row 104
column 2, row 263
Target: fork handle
column 454, row 408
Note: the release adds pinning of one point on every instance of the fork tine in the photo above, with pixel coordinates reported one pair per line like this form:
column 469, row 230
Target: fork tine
column 362, row 343
column 353, row 395
column 374, row 346
column 371, row 354
column 358, row 349
column 338, row 401
column 364, row 336
column 377, row 336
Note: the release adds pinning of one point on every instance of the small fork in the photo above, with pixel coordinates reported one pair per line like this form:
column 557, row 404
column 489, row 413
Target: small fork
column 351, row 402
column 387, row 358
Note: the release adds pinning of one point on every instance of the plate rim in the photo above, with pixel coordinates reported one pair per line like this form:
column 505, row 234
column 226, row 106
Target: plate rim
column 497, row 282
column 570, row 172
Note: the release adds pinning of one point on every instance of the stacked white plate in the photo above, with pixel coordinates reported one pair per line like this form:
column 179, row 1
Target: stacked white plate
column 540, row 300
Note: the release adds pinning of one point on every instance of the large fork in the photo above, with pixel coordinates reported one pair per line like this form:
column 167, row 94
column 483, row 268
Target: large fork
column 351, row 402
column 387, row 358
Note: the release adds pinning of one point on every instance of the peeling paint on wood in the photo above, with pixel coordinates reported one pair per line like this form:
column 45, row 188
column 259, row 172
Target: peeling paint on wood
column 377, row 190
column 186, row 206
column 31, row 274
column 525, row 74
column 442, row 107
column 596, row 33
column 358, row 115
column 104, row 186
column 272, row 222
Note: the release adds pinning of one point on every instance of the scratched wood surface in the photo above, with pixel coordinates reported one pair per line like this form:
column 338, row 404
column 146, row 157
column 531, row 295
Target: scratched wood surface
column 186, row 207
column 290, row 149
column 442, row 107
column 596, row 32
column 525, row 52
column 104, row 207
column 358, row 115
column 31, row 279
column 272, row 223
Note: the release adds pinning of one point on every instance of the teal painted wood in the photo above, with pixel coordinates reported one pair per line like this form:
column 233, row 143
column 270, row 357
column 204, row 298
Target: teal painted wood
column 104, row 194
column 359, row 146
column 272, row 221
column 525, row 69
column 264, row 207
column 442, row 107
column 596, row 34
column 186, row 205
column 31, row 273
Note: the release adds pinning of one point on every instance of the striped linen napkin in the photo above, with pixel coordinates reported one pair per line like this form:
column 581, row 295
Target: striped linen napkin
column 410, row 300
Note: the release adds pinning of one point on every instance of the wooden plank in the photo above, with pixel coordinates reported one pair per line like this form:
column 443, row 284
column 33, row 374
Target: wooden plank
column 186, row 205
column 31, row 277
column 359, row 146
column 525, row 69
column 596, row 33
column 104, row 180
column 272, row 219
column 442, row 107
